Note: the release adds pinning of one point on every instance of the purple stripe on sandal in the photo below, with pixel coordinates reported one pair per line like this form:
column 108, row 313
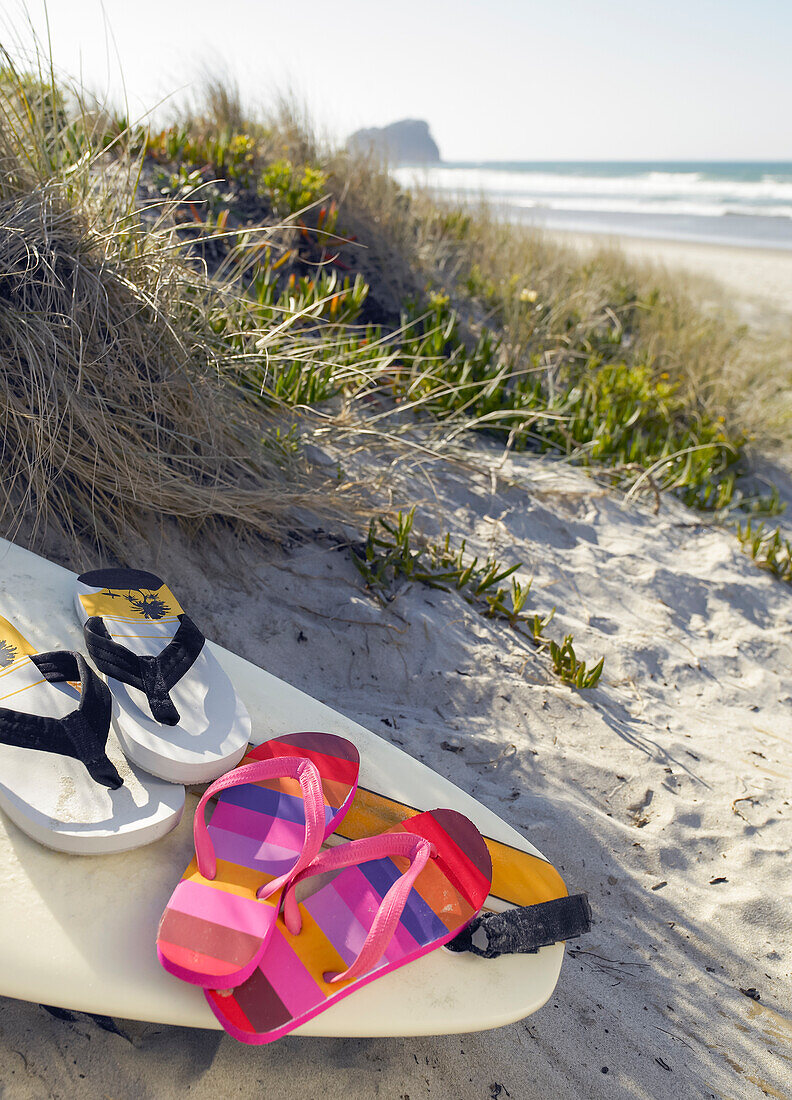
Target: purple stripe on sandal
column 355, row 889
column 247, row 852
column 362, row 901
column 258, row 826
column 288, row 807
column 337, row 921
column 418, row 918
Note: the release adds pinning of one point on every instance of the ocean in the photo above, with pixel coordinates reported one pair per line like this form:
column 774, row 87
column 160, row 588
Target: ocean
column 742, row 203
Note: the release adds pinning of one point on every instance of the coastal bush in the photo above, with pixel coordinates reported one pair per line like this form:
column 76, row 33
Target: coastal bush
column 584, row 359
column 598, row 412
column 326, row 296
column 227, row 155
column 553, row 306
column 290, row 188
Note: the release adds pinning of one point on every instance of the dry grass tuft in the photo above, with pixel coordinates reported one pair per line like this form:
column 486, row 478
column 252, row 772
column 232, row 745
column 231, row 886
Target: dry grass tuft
column 111, row 402
column 114, row 402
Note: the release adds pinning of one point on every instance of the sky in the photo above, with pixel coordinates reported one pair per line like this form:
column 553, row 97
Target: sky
column 497, row 80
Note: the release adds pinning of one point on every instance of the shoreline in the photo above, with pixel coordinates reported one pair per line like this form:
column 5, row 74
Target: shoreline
column 759, row 276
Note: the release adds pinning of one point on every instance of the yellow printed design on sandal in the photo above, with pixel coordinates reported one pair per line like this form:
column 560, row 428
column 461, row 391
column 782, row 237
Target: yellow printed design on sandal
column 12, row 645
column 144, row 604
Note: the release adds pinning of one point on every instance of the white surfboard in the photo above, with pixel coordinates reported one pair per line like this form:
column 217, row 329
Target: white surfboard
column 78, row 932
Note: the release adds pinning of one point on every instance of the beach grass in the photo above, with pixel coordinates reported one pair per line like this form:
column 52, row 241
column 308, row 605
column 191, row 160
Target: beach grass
column 114, row 388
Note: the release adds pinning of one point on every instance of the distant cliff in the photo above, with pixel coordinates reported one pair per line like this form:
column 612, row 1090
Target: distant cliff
column 407, row 141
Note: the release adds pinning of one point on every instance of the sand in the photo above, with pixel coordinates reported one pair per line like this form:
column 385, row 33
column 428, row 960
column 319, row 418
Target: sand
column 665, row 793
column 756, row 277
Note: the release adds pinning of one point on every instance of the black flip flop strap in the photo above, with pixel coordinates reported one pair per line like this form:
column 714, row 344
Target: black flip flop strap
column 82, row 734
column 155, row 676
column 526, row 929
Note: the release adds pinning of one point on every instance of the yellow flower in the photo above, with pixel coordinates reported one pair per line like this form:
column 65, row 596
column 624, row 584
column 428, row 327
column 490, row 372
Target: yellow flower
column 528, row 295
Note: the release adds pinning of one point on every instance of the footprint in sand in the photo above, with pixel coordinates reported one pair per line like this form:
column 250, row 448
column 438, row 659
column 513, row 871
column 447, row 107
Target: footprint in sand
column 638, row 810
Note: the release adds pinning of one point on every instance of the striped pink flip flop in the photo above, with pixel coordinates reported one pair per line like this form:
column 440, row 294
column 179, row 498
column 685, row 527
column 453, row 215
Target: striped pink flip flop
column 272, row 816
column 389, row 899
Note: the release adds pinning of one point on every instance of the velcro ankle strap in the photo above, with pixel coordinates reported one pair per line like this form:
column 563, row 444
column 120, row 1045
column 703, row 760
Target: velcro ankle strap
column 525, row 930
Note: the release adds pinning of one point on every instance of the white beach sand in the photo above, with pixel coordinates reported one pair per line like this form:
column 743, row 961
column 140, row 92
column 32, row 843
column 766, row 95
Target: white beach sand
column 760, row 277
column 666, row 793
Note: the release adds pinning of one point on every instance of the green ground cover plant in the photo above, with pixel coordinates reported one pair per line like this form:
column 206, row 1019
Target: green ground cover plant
column 392, row 553
column 291, row 188
column 597, row 404
column 770, row 549
column 598, row 412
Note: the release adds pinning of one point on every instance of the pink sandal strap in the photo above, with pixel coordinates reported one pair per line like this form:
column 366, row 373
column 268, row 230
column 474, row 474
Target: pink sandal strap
column 281, row 767
column 415, row 848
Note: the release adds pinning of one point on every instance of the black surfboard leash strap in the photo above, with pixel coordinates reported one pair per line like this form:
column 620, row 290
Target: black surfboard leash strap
column 524, row 930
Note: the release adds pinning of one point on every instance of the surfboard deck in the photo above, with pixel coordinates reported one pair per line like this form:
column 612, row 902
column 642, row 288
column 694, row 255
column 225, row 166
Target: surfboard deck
column 78, row 932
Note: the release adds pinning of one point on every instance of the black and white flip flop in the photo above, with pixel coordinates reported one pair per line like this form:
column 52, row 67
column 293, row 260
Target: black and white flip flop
column 63, row 777
column 176, row 711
